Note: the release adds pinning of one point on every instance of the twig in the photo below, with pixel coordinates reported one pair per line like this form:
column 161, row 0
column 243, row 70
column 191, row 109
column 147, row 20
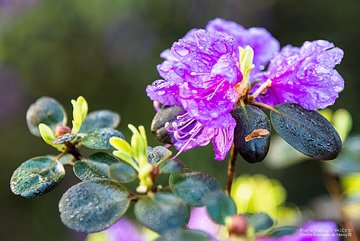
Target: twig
column 231, row 169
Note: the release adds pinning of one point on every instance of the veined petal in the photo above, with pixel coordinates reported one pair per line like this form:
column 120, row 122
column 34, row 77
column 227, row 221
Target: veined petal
column 304, row 75
column 163, row 91
column 223, row 140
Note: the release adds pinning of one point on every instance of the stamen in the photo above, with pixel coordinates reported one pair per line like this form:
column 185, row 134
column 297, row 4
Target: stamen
column 263, row 87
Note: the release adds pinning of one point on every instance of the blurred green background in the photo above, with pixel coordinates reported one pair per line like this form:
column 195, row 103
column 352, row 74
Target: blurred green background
column 108, row 50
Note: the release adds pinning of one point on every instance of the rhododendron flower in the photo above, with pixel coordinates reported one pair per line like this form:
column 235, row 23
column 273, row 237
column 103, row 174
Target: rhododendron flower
column 304, row 75
column 207, row 73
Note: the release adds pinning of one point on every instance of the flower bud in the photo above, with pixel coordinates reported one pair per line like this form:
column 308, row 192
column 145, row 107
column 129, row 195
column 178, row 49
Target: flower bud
column 237, row 225
column 61, row 130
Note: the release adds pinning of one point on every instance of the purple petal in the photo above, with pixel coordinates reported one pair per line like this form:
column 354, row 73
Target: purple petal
column 259, row 39
column 123, row 230
column 223, row 140
column 304, row 75
column 165, row 92
column 200, row 220
column 186, row 133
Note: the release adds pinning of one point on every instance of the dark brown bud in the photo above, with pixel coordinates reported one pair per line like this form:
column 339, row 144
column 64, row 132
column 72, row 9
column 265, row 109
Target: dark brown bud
column 160, row 119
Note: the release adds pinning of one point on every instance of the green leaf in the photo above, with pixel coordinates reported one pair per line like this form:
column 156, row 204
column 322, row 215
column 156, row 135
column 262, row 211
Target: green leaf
column 122, row 172
column 37, row 176
column 184, row 235
column 45, row 110
column 252, row 133
column 260, row 221
column 100, row 119
column 307, row 131
column 171, row 166
column 48, row 136
column 162, row 212
column 93, row 205
column 281, row 231
column 219, row 206
column 99, row 138
column 158, row 154
column 64, row 138
column 96, row 165
column 192, row 187
column 80, row 107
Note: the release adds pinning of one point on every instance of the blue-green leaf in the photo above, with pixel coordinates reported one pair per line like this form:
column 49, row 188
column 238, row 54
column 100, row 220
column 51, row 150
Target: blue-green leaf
column 219, row 206
column 122, row 172
column 37, row 176
column 162, row 212
column 93, row 205
column 171, row 166
column 252, row 133
column 45, row 110
column 64, row 138
column 99, row 139
column 260, row 221
column 158, row 154
column 96, row 165
column 192, row 187
column 100, row 119
column 184, row 235
column 281, row 231
column 307, row 131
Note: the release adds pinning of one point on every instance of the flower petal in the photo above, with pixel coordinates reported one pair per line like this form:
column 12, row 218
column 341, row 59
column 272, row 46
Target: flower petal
column 223, row 140
column 304, row 75
column 163, row 91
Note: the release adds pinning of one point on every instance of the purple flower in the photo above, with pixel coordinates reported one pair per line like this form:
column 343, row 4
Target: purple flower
column 123, row 230
column 311, row 231
column 304, row 75
column 200, row 72
column 259, row 39
column 206, row 75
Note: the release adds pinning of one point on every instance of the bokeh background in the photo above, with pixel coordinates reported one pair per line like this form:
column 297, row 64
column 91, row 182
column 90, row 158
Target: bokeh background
column 108, row 50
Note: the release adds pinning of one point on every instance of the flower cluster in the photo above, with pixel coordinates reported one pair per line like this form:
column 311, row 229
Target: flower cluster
column 207, row 74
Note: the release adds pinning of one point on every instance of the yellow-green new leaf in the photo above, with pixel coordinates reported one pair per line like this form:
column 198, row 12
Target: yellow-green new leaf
column 48, row 136
column 80, row 107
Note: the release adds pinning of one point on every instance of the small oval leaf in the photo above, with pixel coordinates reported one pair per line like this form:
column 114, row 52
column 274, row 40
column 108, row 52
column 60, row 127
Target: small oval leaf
column 260, row 221
column 281, row 231
column 162, row 212
column 100, row 119
column 192, row 187
column 307, row 131
column 122, row 172
column 252, row 133
column 159, row 121
column 99, row 139
column 64, row 138
column 219, row 206
column 171, row 166
column 158, row 154
column 37, row 176
column 45, row 110
column 96, row 165
column 184, row 235
column 93, row 205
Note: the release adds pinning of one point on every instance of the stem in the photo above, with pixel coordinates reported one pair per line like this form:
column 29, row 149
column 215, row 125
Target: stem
column 71, row 149
column 231, row 169
column 334, row 188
